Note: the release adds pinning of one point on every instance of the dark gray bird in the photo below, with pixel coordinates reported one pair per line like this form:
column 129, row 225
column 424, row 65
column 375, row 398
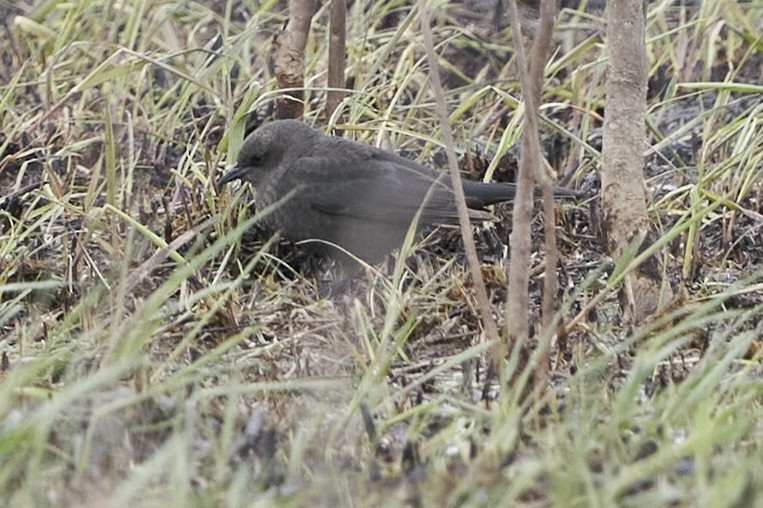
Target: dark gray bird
column 356, row 196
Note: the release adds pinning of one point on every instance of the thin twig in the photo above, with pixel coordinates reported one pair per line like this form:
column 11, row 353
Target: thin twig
column 483, row 304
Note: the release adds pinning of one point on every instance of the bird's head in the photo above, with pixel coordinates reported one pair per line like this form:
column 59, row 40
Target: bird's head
column 264, row 150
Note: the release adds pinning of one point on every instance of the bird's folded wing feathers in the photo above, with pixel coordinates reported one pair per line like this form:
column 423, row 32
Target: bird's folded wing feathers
column 377, row 190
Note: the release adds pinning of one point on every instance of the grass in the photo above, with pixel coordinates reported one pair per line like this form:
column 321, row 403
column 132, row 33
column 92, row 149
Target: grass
column 157, row 351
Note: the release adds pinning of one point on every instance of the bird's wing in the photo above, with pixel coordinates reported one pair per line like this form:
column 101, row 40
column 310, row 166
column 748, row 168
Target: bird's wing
column 375, row 188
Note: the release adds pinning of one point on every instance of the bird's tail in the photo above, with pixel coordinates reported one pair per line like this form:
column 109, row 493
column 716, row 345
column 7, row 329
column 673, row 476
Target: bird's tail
column 480, row 194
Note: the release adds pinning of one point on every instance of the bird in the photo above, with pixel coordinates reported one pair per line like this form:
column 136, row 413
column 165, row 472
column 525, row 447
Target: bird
column 348, row 194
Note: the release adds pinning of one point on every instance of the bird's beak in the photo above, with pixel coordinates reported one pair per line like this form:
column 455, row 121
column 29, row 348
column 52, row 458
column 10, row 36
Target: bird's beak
column 235, row 172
